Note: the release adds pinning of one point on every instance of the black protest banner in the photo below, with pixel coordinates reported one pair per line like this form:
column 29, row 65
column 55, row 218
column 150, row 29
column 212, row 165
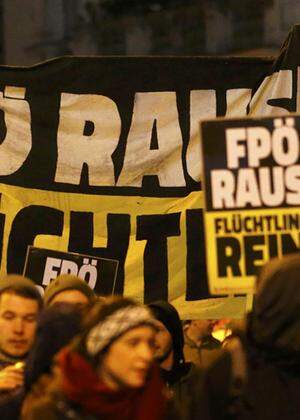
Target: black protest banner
column 44, row 265
column 252, row 196
column 101, row 156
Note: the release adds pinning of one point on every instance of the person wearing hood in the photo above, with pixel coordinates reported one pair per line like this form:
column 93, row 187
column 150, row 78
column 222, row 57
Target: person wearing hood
column 259, row 377
column 184, row 380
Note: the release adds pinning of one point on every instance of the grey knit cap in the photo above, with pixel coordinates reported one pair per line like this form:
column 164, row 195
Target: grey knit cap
column 18, row 282
column 67, row 282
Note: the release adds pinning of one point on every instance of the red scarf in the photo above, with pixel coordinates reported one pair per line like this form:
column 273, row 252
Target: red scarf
column 82, row 386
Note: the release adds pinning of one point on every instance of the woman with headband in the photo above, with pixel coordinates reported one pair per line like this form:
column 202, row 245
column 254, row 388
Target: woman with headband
column 108, row 372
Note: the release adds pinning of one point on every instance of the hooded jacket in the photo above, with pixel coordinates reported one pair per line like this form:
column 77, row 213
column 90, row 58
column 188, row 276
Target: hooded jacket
column 274, row 324
column 271, row 344
column 184, row 380
column 168, row 316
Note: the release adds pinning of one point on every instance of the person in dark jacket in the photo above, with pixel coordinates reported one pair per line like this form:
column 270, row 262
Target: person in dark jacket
column 20, row 303
column 184, row 380
column 260, row 378
column 56, row 326
column 200, row 347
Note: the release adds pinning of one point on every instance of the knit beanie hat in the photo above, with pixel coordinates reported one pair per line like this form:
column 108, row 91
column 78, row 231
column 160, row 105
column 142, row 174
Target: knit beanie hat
column 116, row 317
column 67, row 282
column 168, row 316
column 18, row 283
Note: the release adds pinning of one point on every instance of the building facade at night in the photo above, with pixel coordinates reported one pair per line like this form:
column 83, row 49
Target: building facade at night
column 51, row 28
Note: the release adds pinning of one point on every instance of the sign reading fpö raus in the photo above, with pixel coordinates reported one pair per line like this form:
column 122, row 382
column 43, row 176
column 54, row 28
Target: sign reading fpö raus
column 252, row 197
column 44, row 265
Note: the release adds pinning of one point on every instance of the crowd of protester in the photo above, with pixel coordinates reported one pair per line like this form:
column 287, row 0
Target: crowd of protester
column 74, row 355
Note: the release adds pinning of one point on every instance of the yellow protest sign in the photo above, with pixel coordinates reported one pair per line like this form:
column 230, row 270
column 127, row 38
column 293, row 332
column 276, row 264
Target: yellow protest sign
column 252, row 197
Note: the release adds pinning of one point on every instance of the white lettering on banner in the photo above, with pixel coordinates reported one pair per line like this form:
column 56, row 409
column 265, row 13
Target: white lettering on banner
column 223, row 188
column 203, row 104
column 90, row 126
column 277, row 86
column 56, row 266
column 285, row 142
column 247, row 191
column 90, row 270
column 69, row 267
column 49, row 272
column 166, row 161
column 292, row 180
column 268, row 186
column 237, row 101
column 276, row 197
column 95, row 148
column 283, row 145
column 234, row 149
column 17, row 143
column 259, row 145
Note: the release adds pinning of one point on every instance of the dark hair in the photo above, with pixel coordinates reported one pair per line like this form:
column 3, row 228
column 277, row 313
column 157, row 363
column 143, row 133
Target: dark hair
column 56, row 327
column 168, row 315
column 25, row 292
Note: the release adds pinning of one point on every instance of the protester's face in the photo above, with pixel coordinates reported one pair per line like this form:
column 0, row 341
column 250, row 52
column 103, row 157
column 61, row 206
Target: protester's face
column 129, row 358
column 17, row 324
column 163, row 342
column 71, row 296
column 201, row 328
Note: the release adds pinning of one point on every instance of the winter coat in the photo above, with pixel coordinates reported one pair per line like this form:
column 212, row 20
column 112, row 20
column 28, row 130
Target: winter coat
column 10, row 401
column 203, row 355
column 184, row 380
column 46, row 401
column 187, row 393
column 270, row 351
column 267, row 392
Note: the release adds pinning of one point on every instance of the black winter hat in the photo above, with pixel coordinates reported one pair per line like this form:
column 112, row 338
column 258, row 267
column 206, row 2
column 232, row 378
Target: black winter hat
column 168, row 315
column 67, row 282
